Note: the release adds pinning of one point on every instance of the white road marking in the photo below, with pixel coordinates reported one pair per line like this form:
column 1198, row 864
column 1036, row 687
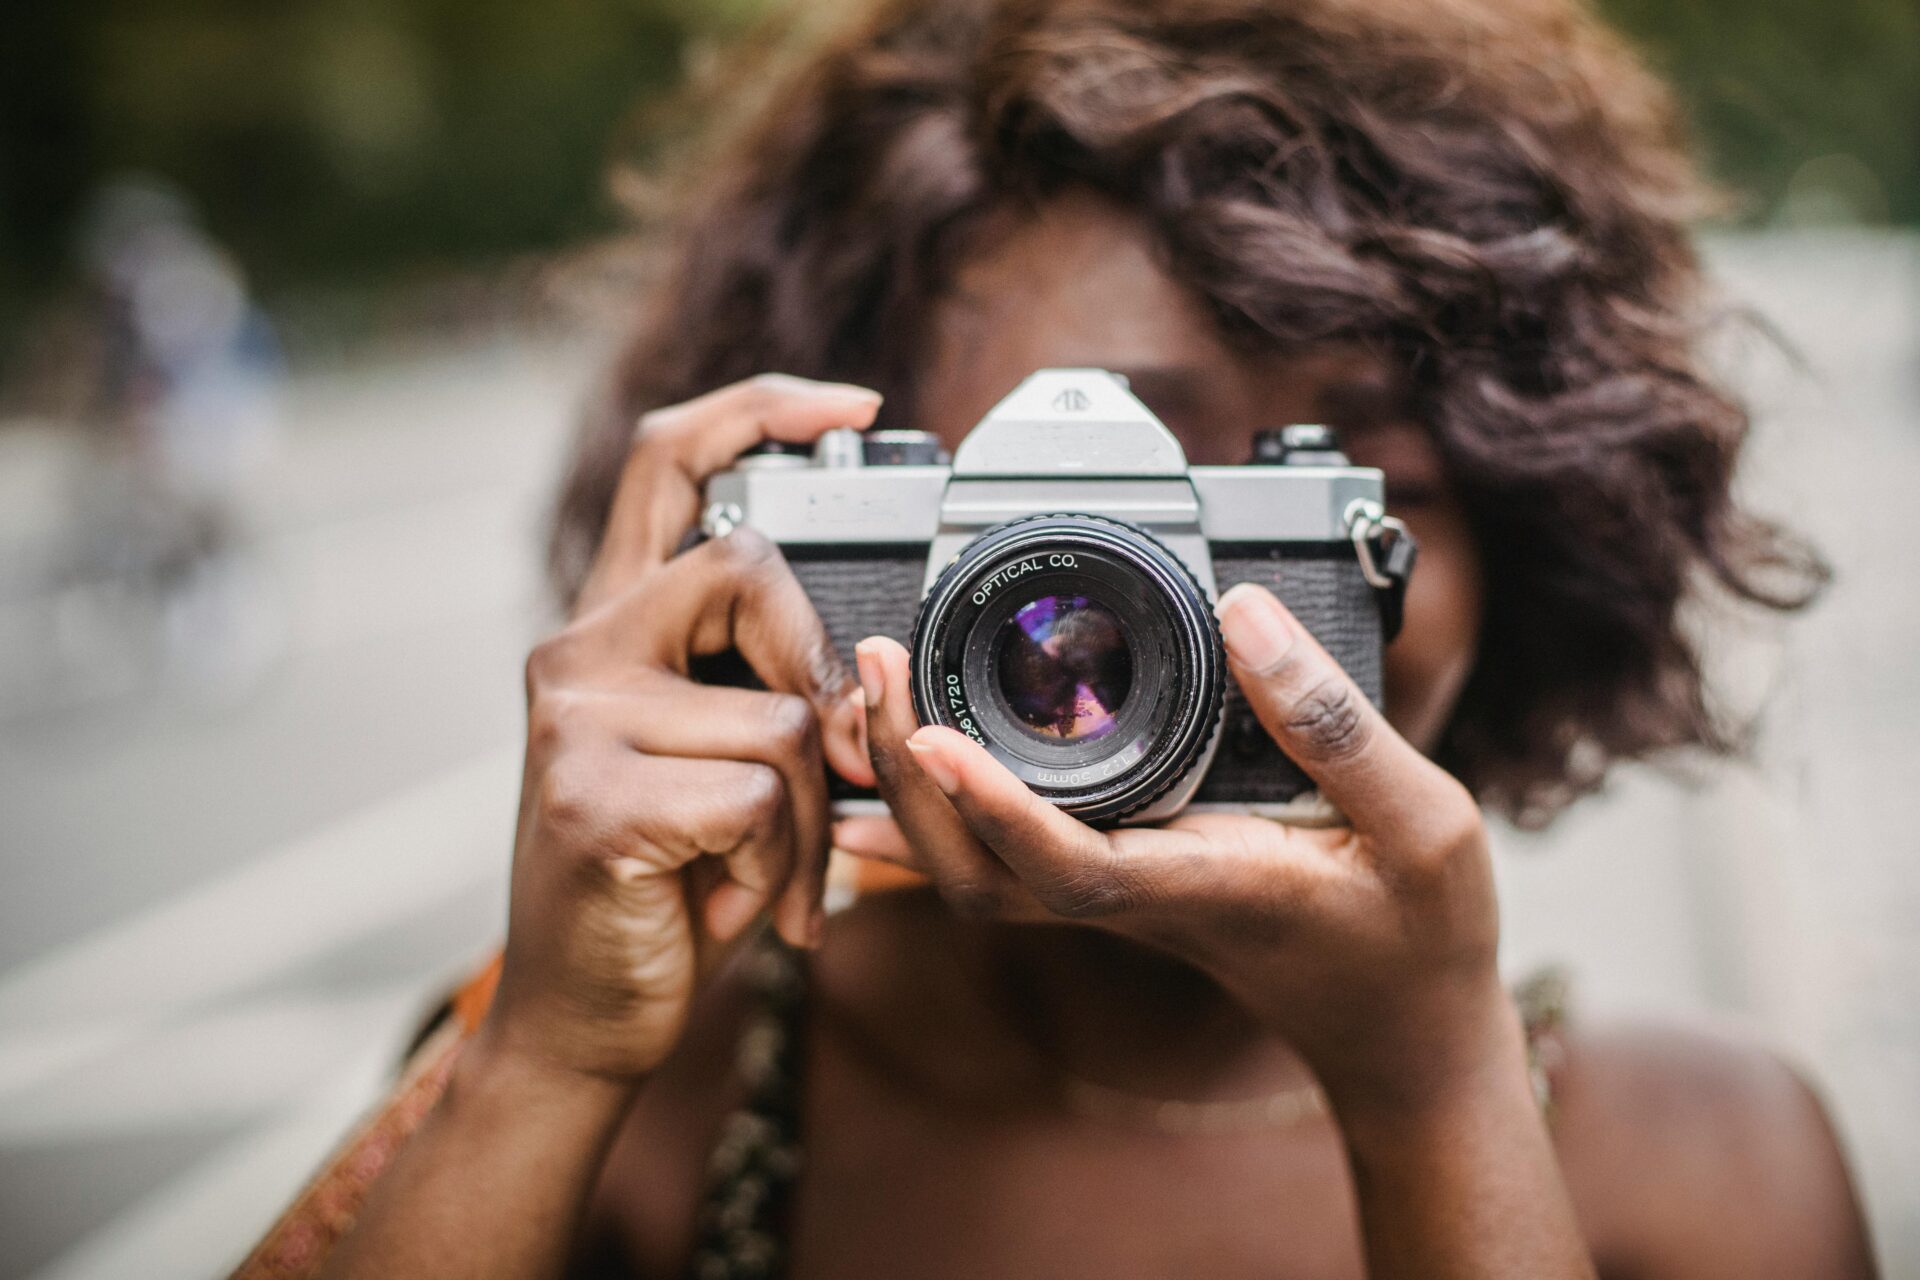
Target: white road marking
column 379, row 866
column 224, row 1068
column 203, row 1222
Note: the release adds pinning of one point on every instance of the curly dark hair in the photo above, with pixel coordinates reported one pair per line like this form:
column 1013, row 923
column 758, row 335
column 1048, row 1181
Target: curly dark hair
column 1494, row 193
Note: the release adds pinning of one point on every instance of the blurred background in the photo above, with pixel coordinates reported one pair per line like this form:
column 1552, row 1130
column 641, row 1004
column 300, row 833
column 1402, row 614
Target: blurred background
column 297, row 307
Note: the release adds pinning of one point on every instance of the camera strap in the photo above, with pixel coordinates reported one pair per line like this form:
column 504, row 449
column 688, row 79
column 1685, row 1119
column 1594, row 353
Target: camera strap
column 1386, row 551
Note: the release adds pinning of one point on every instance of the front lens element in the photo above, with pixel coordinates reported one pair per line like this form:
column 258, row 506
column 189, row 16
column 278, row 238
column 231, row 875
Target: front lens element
column 1080, row 652
column 1065, row 667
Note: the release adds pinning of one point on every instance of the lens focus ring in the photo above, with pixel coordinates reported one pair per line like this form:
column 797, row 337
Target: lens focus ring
column 1081, row 653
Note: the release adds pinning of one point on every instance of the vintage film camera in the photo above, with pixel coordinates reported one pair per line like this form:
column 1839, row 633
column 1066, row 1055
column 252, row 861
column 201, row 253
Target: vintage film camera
column 1054, row 585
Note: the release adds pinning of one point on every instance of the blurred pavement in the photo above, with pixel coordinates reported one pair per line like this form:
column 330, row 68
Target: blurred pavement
column 222, row 908
column 225, row 909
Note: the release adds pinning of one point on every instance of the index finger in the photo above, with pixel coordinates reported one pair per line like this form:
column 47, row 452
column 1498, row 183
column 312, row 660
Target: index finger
column 1123, row 880
column 676, row 449
column 1073, row 870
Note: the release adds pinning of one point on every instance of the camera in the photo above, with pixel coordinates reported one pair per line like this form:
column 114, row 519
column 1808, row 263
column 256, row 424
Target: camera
column 1054, row 580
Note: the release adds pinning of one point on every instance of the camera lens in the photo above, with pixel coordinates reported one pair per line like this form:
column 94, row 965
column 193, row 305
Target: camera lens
column 1081, row 653
column 1065, row 667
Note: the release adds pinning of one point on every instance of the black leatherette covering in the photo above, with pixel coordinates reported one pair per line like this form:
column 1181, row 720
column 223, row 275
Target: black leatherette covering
column 871, row 595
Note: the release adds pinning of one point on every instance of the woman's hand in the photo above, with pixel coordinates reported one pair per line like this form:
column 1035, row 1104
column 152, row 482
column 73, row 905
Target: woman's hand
column 658, row 816
column 1370, row 948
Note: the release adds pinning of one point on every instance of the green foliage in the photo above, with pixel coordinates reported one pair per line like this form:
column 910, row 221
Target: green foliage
column 329, row 141
column 1788, row 94
column 361, row 141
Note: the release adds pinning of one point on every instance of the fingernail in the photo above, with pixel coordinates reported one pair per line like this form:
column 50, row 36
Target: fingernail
column 845, row 392
column 935, row 766
column 847, row 839
column 1256, row 629
column 820, row 387
column 858, row 700
column 873, row 682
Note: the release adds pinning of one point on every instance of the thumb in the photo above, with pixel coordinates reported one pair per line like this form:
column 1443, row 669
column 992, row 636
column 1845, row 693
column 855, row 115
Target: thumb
column 1324, row 722
column 843, row 739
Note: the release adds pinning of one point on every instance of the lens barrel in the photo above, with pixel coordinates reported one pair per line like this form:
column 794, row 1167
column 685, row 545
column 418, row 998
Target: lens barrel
column 1081, row 653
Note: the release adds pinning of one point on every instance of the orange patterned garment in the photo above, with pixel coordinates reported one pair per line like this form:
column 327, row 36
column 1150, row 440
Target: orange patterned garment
column 296, row 1247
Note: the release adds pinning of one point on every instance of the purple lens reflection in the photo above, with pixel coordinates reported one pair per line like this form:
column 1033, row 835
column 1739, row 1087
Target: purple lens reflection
column 1065, row 668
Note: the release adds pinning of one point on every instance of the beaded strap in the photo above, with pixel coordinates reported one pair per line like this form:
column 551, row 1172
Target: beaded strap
column 752, row 1170
column 1542, row 1000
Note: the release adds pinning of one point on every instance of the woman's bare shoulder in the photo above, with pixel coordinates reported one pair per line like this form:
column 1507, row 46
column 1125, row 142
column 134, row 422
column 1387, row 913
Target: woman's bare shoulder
column 1698, row 1154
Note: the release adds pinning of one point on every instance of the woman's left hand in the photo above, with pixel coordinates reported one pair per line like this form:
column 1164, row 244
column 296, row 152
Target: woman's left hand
column 1370, row 947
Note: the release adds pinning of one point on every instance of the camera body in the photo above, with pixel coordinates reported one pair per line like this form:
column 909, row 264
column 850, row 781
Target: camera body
column 1054, row 585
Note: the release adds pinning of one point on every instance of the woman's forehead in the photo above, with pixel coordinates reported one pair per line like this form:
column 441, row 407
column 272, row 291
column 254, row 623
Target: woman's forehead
column 1077, row 276
column 1080, row 282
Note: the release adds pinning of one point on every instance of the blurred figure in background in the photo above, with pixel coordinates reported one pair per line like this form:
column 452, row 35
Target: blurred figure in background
column 183, row 407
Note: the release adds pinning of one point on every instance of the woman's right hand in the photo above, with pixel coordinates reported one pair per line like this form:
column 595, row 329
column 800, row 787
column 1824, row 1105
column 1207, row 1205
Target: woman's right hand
column 658, row 816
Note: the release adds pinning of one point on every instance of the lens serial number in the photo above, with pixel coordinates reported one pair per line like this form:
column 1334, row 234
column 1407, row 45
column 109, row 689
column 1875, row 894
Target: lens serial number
column 960, row 712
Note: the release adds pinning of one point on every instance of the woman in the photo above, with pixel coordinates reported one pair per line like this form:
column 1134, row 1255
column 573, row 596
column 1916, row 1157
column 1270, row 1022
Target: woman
column 1222, row 1048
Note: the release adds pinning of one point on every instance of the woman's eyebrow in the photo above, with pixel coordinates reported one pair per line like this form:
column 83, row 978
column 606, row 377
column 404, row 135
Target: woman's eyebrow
column 1361, row 402
column 1180, row 384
